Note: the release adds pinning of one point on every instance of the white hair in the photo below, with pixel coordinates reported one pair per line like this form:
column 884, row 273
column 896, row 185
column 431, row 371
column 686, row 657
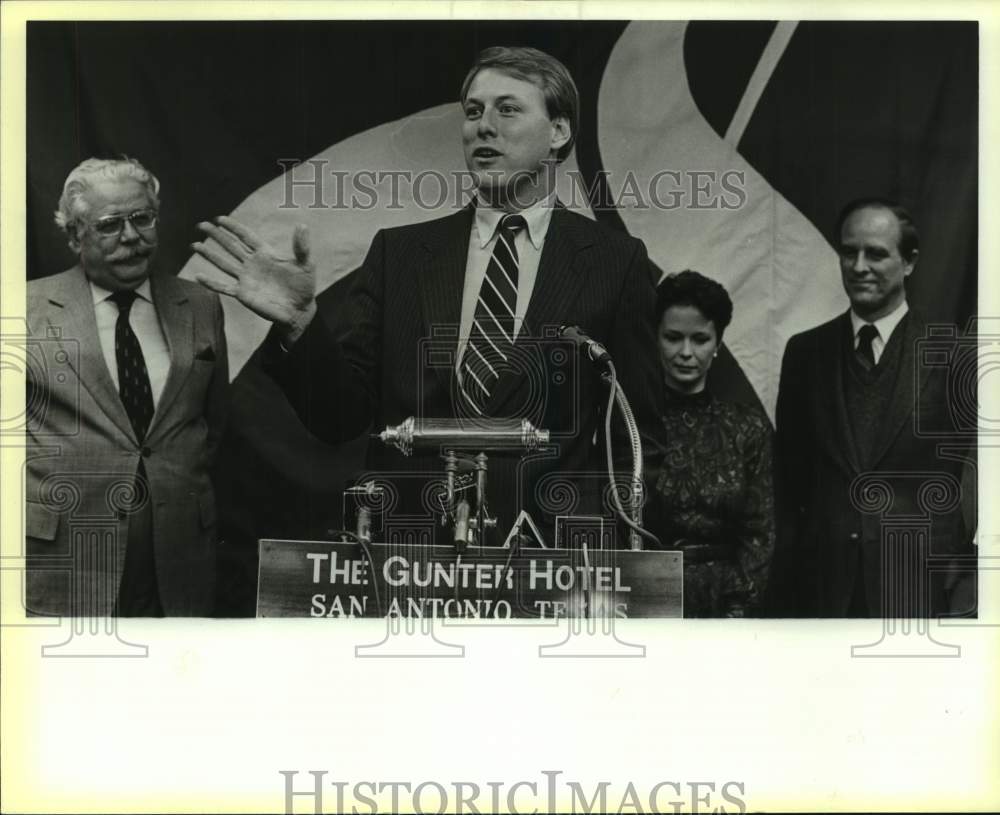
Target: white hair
column 71, row 202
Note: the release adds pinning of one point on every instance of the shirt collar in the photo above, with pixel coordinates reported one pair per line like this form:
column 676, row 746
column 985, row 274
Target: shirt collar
column 884, row 325
column 100, row 294
column 537, row 218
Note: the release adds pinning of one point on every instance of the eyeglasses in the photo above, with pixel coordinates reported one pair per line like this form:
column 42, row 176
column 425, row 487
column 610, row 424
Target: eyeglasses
column 111, row 226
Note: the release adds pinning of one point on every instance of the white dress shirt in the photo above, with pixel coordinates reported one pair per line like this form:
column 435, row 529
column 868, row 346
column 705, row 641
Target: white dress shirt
column 527, row 241
column 883, row 325
column 145, row 324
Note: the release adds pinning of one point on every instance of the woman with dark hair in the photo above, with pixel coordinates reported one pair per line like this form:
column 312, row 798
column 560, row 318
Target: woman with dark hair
column 710, row 484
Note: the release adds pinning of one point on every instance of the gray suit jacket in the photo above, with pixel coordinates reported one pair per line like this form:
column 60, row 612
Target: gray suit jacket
column 82, row 454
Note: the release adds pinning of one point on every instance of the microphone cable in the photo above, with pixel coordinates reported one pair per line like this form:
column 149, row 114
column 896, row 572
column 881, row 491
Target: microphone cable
column 613, row 391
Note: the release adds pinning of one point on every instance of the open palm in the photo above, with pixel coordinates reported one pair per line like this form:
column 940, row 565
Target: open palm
column 278, row 288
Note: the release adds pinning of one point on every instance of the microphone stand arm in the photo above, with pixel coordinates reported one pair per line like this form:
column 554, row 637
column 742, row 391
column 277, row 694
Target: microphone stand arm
column 635, row 541
column 634, row 517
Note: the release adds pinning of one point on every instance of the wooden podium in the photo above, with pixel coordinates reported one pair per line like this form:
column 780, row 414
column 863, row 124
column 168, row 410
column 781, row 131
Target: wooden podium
column 324, row 579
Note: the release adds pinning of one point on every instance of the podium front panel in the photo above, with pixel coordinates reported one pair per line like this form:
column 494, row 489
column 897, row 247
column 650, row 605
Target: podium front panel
column 325, row 579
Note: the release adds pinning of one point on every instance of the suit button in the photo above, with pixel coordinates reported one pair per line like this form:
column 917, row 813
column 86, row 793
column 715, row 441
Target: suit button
column 855, row 536
column 146, row 452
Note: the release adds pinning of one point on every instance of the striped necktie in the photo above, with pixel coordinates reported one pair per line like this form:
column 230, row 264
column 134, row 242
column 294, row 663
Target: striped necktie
column 491, row 337
column 133, row 379
column 866, row 353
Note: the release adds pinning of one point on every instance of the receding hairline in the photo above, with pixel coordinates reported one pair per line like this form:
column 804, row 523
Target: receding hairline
column 880, row 207
column 888, row 210
column 908, row 243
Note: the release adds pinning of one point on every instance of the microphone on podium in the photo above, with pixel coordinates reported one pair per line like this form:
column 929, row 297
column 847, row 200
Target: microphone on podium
column 461, row 525
column 596, row 352
column 364, row 525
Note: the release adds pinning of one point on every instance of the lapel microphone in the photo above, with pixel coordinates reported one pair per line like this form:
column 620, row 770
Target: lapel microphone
column 593, row 349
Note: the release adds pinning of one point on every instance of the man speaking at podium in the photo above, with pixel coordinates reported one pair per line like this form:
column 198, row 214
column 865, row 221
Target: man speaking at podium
column 457, row 317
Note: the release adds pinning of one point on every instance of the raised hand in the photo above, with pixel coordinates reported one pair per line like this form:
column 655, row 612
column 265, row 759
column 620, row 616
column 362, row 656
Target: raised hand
column 280, row 289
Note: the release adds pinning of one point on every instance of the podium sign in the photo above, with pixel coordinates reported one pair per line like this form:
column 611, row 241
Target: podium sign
column 323, row 579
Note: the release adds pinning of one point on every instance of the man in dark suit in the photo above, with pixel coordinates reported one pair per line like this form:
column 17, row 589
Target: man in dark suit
column 126, row 406
column 457, row 317
column 860, row 481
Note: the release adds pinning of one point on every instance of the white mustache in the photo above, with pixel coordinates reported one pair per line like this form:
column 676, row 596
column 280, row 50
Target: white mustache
column 126, row 256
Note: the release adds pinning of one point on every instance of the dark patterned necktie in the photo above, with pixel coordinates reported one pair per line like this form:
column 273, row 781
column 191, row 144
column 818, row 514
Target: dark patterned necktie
column 491, row 337
column 133, row 379
column 865, row 352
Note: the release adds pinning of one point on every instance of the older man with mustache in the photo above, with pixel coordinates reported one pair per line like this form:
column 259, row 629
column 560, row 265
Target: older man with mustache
column 126, row 401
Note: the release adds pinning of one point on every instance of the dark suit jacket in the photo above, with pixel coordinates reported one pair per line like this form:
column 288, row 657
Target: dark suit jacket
column 83, row 454
column 392, row 356
column 830, row 517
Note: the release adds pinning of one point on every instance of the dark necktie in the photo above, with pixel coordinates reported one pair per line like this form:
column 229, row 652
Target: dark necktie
column 491, row 337
column 133, row 379
column 865, row 352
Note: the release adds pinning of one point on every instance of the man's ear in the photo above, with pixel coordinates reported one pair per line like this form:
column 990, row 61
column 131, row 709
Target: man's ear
column 911, row 262
column 561, row 133
column 72, row 238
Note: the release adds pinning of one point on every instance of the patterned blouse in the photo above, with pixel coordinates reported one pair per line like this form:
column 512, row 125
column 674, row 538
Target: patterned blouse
column 709, row 477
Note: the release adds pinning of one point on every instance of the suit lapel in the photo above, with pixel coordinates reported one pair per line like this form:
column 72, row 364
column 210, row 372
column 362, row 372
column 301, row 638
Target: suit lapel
column 174, row 312
column 442, row 279
column 910, row 382
column 833, row 404
column 72, row 315
column 559, row 267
